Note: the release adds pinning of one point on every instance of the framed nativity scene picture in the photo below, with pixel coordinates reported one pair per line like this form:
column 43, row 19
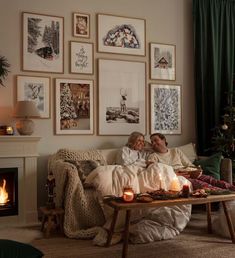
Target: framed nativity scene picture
column 162, row 61
column 74, row 106
column 121, row 97
column 165, row 109
column 43, row 43
column 121, row 35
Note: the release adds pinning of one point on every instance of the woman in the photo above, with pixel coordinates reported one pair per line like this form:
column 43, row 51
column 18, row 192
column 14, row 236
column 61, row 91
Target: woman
column 177, row 159
column 133, row 153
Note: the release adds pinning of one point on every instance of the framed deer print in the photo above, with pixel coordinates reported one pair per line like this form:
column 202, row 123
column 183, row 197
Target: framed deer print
column 74, row 106
column 43, row 43
column 165, row 109
column 121, row 97
column 36, row 89
column 121, row 35
column 162, row 61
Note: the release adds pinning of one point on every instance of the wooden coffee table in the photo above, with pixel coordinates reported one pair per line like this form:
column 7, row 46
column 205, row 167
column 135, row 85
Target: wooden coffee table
column 128, row 207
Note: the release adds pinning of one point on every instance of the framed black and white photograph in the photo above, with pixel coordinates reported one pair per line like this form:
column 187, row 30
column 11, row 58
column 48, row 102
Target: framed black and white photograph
column 81, row 25
column 74, row 106
column 43, row 43
column 121, row 97
column 165, row 109
column 121, row 35
column 162, row 61
column 35, row 89
column 81, row 60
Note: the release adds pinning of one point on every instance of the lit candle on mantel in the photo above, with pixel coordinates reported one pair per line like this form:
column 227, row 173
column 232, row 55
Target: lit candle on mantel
column 175, row 185
column 160, row 181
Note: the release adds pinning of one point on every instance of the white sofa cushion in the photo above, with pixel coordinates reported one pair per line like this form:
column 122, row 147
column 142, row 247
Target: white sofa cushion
column 189, row 151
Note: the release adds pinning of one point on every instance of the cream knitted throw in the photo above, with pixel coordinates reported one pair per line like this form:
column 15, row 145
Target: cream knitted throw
column 83, row 214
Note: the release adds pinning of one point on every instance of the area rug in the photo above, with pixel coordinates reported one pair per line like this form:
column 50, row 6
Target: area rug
column 20, row 234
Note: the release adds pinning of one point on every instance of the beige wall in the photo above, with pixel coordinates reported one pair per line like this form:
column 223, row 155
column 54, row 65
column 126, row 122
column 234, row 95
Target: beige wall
column 167, row 21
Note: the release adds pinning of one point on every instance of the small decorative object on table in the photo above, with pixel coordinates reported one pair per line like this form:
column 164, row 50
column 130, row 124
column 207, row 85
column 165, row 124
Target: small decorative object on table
column 50, row 190
column 185, row 191
column 128, row 194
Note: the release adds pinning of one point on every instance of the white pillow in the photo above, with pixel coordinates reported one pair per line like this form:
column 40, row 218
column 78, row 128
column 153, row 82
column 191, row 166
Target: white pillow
column 189, row 151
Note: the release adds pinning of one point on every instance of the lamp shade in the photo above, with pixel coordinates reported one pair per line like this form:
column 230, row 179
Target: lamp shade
column 25, row 108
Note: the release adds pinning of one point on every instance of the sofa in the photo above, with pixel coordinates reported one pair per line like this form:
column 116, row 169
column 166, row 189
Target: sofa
column 83, row 210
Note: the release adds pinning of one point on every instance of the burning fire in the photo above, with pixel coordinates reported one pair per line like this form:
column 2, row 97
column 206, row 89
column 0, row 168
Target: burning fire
column 3, row 193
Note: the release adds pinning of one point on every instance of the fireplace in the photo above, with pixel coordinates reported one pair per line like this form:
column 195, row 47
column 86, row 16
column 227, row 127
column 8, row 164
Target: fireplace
column 8, row 191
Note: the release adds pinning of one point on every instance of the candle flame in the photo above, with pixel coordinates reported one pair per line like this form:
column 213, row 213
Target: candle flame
column 3, row 193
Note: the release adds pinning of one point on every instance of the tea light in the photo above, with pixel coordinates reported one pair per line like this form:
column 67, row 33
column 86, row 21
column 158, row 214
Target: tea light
column 175, row 185
column 128, row 194
column 160, row 181
column 9, row 130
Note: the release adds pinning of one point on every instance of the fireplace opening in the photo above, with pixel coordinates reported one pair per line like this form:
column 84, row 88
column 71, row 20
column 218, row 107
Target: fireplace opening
column 8, row 191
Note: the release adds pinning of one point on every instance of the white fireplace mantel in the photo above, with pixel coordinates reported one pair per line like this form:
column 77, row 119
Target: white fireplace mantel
column 22, row 152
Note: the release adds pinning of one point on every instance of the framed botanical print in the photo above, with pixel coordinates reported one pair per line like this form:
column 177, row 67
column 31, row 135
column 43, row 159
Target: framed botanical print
column 74, row 106
column 43, row 43
column 165, row 109
column 35, row 89
column 81, row 25
column 121, row 97
column 81, row 60
column 121, row 35
column 162, row 61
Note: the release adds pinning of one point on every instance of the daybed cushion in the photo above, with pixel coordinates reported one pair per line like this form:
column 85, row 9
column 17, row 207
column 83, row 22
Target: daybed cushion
column 14, row 249
column 189, row 151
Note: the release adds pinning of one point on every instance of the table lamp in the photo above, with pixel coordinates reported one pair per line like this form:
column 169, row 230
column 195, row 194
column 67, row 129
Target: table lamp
column 25, row 109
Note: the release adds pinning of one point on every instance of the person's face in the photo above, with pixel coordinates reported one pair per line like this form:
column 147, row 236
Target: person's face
column 158, row 143
column 139, row 143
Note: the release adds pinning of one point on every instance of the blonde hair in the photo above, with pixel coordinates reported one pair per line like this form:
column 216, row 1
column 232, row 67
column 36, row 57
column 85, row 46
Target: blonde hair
column 133, row 138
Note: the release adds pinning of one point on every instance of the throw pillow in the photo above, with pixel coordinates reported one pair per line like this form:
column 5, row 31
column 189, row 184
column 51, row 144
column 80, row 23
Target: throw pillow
column 189, row 151
column 211, row 165
column 10, row 249
column 84, row 167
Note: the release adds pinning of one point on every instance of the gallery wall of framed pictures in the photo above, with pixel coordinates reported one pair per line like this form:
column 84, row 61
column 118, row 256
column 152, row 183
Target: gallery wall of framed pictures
column 124, row 99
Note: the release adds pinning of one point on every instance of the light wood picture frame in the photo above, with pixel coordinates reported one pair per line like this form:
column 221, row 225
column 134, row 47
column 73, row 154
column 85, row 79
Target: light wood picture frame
column 162, row 61
column 74, row 106
column 81, row 25
column 43, row 43
column 35, row 89
column 165, row 109
column 121, row 35
column 81, row 57
column 121, row 97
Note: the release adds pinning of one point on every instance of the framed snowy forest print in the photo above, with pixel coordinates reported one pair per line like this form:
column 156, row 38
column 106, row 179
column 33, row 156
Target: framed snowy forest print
column 43, row 43
column 165, row 109
column 162, row 61
column 74, row 106
column 35, row 89
column 81, row 60
column 121, row 35
column 121, row 97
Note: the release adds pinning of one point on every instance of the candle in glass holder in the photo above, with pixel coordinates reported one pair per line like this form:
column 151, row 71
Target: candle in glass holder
column 9, row 130
column 185, row 191
column 128, row 194
column 175, row 185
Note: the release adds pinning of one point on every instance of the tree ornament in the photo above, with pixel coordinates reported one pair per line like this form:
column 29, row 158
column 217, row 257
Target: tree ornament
column 224, row 127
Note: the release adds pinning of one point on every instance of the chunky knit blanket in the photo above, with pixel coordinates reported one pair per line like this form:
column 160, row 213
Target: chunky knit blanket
column 79, row 204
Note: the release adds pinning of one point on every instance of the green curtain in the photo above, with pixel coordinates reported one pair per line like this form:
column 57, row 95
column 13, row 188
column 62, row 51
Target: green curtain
column 214, row 44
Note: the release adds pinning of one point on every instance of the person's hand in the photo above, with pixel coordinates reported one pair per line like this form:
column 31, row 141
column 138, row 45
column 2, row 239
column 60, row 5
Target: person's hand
column 185, row 174
column 148, row 162
column 195, row 174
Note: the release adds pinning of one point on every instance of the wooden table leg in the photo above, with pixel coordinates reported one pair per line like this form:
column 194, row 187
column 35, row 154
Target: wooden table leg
column 126, row 234
column 229, row 221
column 209, row 224
column 111, row 229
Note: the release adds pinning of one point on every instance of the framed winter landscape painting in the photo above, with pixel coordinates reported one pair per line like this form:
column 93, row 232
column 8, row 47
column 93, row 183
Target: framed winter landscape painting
column 121, row 97
column 43, row 43
column 162, row 61
column 81, row 25
column 36, row 89
column 74, row 106
column 81, row 60
column 165, row 109
column 121, row 35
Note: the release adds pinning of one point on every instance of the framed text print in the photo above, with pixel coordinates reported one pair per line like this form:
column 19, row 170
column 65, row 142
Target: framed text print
column 43, row 43
column 121, row 35
column 165, row 109
column 162, row 61
column 121, row 97
column 36, row 89
column 74, row 106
